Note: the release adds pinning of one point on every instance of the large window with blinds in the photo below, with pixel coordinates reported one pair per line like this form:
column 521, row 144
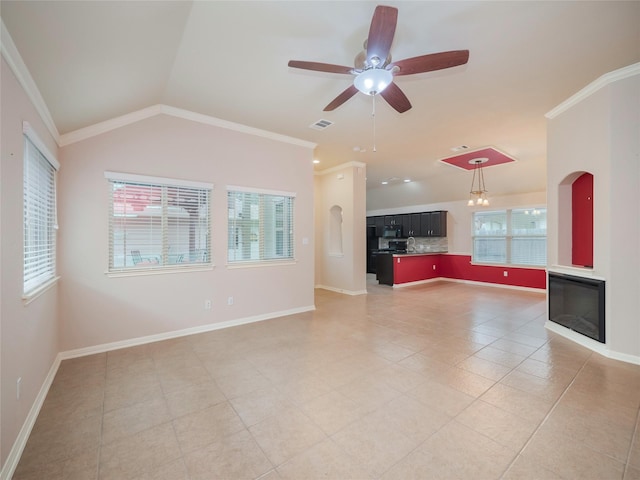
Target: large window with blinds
column 40, row 222
column 157, row 223
column 260, row 225
column 512, row 237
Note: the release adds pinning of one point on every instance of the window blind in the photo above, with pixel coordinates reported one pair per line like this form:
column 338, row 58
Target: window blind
column 529, row 236
column 40, row 225
column 260, row 226
column 155, row 225
column 515, row 237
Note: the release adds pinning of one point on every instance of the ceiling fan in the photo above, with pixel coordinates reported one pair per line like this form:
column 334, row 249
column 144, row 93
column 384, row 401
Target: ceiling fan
column 374, row 69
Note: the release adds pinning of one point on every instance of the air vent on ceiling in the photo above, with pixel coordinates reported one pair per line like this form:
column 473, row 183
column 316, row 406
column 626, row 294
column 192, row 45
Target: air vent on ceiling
column 321, row 124
column 459, row 148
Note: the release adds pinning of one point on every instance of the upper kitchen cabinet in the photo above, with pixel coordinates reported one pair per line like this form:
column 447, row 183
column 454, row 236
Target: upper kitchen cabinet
column 393, row 220
column 378, row 222
column 412, row 225
column 433, row 224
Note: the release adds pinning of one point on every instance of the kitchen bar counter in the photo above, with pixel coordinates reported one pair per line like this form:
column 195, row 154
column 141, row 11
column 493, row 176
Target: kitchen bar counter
column 396, row 268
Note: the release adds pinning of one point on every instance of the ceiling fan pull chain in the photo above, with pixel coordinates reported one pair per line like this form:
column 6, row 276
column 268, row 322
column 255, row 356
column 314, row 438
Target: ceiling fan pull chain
column 373, row 115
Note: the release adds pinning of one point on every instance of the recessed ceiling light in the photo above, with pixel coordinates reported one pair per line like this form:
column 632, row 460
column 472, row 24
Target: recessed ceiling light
column 407, row 180
column 384, row 182
column 316, row 161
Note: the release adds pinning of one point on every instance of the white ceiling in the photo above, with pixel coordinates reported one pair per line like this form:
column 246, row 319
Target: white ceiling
column 94, row 60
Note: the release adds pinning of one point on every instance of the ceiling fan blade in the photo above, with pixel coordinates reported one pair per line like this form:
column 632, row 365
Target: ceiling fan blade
column 396, row 98
column 340, row 99
column 430, row 62
column 320, row 67
column 381, row 32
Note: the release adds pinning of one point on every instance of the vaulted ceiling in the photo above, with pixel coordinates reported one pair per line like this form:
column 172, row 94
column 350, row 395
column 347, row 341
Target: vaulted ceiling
column 94, row 60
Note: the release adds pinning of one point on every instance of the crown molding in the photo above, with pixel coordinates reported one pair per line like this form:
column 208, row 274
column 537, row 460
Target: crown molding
column 593, row 87
column 342, row 166
column 160, row 109
column 19, row 68
column 108, row 125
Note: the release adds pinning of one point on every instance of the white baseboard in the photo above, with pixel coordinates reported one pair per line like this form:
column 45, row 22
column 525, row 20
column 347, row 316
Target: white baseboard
column 9, row 467
column 470, row 282
column 13, row 458
column 497, row 285
column 417, row 282
column 106, row 347
column 592, row 345
column 340, row 290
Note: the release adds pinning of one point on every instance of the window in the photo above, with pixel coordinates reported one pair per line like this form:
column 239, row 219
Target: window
column 514, row 237
column 260, row 225
column 40, row 221
column 157, row 223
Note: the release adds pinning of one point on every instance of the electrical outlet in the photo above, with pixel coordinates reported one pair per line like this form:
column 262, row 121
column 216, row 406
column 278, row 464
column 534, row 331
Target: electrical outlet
column 207, row 304
column 230, row 301
column 505, row 273
column 434, row 267
column 18, row 387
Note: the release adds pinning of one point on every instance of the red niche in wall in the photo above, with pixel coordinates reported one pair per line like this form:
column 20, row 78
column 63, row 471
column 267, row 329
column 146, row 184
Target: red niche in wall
column 582, row 221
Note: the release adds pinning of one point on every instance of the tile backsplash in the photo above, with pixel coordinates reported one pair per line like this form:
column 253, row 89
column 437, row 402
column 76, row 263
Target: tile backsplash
column 423, row 244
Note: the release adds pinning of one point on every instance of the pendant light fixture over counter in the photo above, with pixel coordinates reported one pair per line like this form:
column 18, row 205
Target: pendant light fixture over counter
column 478, row 191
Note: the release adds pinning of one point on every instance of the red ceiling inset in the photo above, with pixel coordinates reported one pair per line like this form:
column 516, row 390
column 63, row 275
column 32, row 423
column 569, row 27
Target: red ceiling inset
column 489, row 155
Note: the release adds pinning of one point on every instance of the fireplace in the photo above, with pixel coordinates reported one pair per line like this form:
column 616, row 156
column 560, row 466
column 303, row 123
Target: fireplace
column 578, row 304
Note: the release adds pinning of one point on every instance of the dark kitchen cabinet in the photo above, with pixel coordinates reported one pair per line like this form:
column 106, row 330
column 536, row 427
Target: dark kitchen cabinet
column 393, row 220
column 433, row 224
column 384, row 268
column 379, row 223
column 425, row 224
column 412, row 225
column 439, row 224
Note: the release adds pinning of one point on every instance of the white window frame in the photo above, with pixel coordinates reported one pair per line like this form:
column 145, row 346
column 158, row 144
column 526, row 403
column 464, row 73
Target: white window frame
column 39, row 214
column 163, row 263
column 508, row 237
column 288, row 240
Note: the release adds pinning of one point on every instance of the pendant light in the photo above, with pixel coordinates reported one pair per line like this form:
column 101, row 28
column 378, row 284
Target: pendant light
column 478, row 191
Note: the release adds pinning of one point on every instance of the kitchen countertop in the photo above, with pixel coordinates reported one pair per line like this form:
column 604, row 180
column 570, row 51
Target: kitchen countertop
column 414, row 254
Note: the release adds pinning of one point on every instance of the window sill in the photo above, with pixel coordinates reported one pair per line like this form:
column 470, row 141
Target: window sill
column 508, row 265
column 158, row 271
column 27, row 298
column 270, row 263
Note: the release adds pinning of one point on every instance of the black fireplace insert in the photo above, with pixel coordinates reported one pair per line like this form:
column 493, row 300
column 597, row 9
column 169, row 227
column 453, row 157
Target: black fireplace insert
column 578, row 304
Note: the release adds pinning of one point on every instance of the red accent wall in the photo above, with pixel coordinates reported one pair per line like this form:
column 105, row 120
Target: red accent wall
column 416, row 268
column 582, row 221
column 459, row 267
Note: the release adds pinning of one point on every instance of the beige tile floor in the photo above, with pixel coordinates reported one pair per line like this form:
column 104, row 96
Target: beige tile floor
column 439, row 381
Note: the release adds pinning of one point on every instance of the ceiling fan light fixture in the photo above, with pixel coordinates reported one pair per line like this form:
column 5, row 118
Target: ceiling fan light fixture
column 373, row 80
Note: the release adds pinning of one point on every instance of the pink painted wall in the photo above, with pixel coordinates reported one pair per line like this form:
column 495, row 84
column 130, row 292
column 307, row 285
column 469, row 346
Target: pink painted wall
column 29, row 339
column 97, row 309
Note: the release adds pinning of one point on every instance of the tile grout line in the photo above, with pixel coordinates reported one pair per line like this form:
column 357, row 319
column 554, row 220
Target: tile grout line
column 546, row 417
column 104, row 395
column 634, row 438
